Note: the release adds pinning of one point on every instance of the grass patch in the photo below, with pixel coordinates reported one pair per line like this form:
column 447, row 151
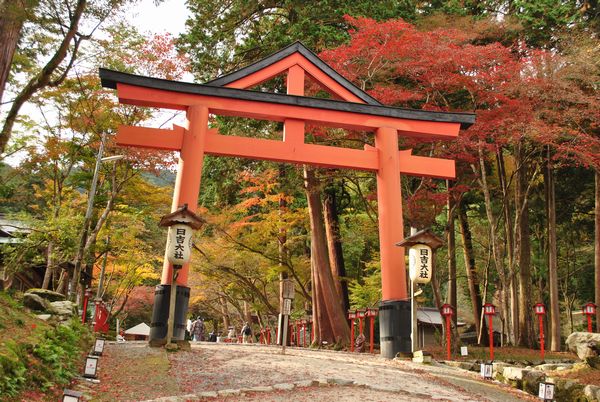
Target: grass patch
column 35, row 355
column 502, row 354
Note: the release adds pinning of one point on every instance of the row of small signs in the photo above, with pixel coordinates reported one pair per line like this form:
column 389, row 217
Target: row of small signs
column 369, row 312
column 89, row 371
column 546, row 389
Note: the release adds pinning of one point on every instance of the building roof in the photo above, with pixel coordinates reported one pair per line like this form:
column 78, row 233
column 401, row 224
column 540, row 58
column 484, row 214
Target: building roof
column 10, row 229
column 140, row 329
column 431, row 316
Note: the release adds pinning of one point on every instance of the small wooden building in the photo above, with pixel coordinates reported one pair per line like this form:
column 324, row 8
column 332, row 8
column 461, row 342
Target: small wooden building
column 430, row 327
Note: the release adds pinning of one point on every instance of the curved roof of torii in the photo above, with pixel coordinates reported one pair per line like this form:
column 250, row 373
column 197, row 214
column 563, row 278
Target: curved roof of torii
column 111, row 78
column 296, row 47
column 218, row 88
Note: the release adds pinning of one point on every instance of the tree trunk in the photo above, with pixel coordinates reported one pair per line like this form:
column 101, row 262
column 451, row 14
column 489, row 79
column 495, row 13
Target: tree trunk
column 452, row 294
column 525, row 337
column 510, row 248
column 224, row 313
column 437, row 295
column 332, row 325
column 49, row 265
column 12, row 16
column 555, row 341
column 45, row 77
column 471, row 271
column 494, row 241
column 281, row 243
column 597, row 249
column 336, row 257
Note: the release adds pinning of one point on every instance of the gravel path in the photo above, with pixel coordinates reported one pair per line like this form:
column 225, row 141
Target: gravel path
column 211, row 371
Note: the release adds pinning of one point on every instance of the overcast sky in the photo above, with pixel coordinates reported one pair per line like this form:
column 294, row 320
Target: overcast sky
column 169, row 16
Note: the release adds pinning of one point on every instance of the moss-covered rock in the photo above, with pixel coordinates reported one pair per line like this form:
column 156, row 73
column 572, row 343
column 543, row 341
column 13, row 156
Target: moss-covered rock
column 35, row 302
column 47, row 294
column 532, row 380
column 568, row 391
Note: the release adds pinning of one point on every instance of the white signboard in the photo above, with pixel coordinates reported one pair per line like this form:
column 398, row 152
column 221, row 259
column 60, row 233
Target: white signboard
column 91, row 364
column 464, row 351
column 546, row 391
column 486, row 370
column 287, row 306
column 99, row 347
column 287, row 289
column 419, row 263
column 179, row 244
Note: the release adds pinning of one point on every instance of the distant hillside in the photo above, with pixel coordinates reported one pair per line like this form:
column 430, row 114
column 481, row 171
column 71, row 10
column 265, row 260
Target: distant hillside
column 165, row 178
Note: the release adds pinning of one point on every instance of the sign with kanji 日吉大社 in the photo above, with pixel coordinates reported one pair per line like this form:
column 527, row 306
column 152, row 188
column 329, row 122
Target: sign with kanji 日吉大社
column 420, row 265
column 179, row 244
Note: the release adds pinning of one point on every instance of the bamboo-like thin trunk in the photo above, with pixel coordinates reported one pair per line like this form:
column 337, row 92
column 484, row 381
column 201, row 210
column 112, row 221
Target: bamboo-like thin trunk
column 494, row 241
column 471, row 271
column 510, row 248
column 555, row 341
column 597, row 249
column 451, row 247
column 49, row 265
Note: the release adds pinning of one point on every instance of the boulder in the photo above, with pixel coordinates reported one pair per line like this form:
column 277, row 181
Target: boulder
column 47, row 294
column 592, row 392
column 514, row 373
column 35, row 302
column 567, row 390
column 498, row 368
column 584, row 344
column 532, row 380
column 594, row 362
column 66, row 308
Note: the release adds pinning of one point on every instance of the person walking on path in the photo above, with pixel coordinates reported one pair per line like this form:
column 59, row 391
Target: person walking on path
column 247, row 333
column 198, row 330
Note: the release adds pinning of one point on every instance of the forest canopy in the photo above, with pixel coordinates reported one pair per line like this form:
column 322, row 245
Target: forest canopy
column 521, row 222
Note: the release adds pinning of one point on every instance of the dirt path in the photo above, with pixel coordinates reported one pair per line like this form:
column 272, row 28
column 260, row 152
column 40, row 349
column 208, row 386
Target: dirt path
column 133, row 371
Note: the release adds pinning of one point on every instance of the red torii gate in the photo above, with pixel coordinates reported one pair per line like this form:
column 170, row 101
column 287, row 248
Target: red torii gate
column 356, row 110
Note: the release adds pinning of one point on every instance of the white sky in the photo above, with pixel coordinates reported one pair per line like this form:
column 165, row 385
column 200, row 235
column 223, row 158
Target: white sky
column 169, row 16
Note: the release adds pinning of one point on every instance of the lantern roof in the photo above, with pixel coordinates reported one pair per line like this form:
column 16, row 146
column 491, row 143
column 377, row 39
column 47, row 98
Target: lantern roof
column 425, row 236
column 184, row 216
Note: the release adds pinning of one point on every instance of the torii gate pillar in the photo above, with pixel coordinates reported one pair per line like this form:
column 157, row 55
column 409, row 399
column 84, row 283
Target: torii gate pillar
column 187, row 187
column 394, row 310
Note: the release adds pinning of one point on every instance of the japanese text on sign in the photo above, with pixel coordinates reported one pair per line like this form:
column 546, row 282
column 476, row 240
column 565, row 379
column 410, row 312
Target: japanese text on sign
column 420, row 265
column 179, row 244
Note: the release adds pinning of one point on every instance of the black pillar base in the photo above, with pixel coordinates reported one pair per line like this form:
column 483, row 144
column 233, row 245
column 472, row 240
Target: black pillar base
column 394, row 328
column 160, row 313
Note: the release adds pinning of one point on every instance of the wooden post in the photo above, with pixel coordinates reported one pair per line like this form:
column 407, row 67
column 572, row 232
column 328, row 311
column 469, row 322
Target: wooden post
column 542, row 349
column 491, row 325
column 448, row 338
column 371, row 333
